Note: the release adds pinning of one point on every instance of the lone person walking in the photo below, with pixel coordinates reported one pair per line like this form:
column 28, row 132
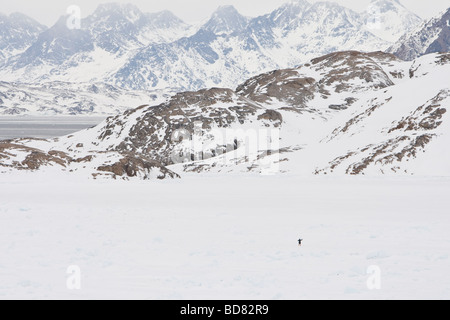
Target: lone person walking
column 300, row 242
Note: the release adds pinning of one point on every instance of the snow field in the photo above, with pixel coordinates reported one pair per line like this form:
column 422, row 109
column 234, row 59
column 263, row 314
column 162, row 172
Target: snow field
column 225, row 237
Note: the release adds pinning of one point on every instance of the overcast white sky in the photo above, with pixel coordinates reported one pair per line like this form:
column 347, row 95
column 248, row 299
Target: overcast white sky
column 191, row 11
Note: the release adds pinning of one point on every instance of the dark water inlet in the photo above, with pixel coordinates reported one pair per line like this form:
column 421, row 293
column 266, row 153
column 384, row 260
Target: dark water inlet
column 44, row 127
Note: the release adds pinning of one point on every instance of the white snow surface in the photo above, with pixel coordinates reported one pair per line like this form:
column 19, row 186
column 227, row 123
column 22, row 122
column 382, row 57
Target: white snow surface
column 224, row 237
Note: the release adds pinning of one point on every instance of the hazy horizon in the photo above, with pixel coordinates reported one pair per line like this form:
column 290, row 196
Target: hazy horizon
column 197, row 10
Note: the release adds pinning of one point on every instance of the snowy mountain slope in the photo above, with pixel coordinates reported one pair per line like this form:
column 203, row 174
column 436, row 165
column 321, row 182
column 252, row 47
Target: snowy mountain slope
column 303, row 31
column 389, row 19
column 120, row 45
column 403, row 129
column 54, row 46
column 288, row 13
column 432, row 36
column 17, row 33
column 347, row 112
column 62, row 98
column 203, row 60
column 164, row 27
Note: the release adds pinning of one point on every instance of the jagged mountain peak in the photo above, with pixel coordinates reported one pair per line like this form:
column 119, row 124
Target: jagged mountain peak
column 430, row 37
column 115, row 12
column 298, row 3
column 289, row 12
column 17, row 19
column 333, row 15
column 332, row 10
column 55, row 45
column 17, row 33
column 329, row 4
column 165, row 14
column 295, row 4
column 22, row 18
column 116, row 27
column 226, row 10
column 164, row 19
column 226, row 20
column 389, row 19
column 110, row 7
column 383, row 6
column 388, row 2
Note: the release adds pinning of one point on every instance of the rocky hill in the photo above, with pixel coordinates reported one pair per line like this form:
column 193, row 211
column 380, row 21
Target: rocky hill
column 346, row 112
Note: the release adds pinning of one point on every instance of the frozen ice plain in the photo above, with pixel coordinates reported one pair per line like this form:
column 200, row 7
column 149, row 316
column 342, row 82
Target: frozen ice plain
column 224, row 237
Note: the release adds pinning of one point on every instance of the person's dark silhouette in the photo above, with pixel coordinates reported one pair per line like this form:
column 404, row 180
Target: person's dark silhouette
column 300, row 242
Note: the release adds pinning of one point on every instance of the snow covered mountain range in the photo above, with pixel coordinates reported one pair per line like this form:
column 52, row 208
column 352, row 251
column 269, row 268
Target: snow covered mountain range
column 122, row 46
column 343, row 113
